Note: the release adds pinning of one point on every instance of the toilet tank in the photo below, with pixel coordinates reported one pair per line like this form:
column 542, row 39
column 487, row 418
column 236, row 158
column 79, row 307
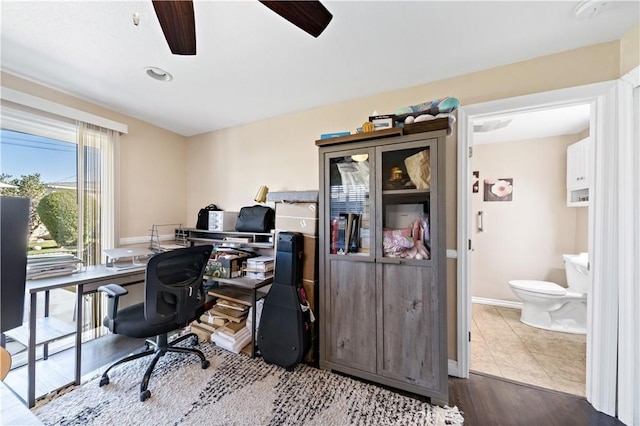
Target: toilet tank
column 576, row 267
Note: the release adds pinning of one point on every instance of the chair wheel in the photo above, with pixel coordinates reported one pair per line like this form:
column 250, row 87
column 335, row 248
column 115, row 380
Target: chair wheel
column 205, row 364
column 195, row 341
column 104, row 380
column 145, row 395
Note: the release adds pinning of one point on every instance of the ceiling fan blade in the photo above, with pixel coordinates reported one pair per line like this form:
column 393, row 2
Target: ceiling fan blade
column 310, row 16
column 178, row 25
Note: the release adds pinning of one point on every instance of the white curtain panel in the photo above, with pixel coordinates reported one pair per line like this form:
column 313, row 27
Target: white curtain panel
column 96, row 183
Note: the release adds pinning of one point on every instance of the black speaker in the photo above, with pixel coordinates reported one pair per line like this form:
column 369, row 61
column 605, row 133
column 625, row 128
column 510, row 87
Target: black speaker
column 289, row 254
column 14, row 236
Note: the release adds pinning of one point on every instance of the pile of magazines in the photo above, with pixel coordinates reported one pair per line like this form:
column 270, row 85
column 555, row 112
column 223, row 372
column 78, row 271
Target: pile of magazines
column 52, row 265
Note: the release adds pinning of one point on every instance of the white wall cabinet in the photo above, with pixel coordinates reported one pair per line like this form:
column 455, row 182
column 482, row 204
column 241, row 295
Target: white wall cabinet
column 578, row 179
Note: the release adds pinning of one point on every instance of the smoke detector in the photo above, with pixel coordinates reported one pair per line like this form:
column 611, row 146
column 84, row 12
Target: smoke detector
column 589, row 9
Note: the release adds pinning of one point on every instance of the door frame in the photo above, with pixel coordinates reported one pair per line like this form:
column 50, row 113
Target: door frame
column 602, row 325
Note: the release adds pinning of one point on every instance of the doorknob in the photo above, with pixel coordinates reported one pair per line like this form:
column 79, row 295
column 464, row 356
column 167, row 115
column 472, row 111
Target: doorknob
column 480, row 221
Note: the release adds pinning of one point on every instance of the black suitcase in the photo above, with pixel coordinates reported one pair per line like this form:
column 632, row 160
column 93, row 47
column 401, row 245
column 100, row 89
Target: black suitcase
column 284, row 335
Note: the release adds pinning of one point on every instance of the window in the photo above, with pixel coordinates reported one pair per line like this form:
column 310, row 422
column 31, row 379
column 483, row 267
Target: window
column 66, row 168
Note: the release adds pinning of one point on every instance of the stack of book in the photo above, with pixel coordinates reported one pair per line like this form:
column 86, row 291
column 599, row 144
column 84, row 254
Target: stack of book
column 259, row 268
column 51, row 265
column 207, row 325
column 233, row 335
column 345, row 234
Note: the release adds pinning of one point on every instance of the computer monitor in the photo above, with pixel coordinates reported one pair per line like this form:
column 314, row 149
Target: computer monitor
column 14, row 236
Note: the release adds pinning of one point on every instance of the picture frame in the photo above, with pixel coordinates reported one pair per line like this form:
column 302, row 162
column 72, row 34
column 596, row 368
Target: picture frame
column 500, row 189
column 381, row 122
column 475, row 186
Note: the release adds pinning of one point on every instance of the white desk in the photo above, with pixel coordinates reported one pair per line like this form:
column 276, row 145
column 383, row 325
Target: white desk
column 85, row 282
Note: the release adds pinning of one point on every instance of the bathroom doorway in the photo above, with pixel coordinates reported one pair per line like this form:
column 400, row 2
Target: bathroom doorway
column 522, row 228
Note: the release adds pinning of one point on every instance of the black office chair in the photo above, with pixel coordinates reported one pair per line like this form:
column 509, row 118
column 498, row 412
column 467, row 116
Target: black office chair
column 174, row 296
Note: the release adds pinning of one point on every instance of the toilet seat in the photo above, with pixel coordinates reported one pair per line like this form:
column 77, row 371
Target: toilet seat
column 541, row 287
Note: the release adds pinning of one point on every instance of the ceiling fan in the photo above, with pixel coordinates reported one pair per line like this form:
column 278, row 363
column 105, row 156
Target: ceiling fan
column 178, row 21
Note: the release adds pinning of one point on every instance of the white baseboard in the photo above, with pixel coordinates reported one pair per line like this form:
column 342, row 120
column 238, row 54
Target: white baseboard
column 453, row 369
column 496, row 302
column 144, row 240
column 134, row 240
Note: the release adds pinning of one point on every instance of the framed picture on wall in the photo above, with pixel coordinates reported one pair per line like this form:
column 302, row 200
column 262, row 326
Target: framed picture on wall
column 475, row 187
column 498, row 189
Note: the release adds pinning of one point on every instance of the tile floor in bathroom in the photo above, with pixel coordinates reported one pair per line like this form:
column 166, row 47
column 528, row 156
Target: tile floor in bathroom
column 503, row 346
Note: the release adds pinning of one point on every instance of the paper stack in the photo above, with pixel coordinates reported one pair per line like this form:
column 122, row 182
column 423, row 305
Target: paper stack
column 233, row 335
column 51, row 265
column 232, row 338
column 260, row 268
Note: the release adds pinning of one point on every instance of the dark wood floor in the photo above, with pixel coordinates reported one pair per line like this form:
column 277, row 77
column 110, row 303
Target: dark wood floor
column 484, row 400
column 487, row 400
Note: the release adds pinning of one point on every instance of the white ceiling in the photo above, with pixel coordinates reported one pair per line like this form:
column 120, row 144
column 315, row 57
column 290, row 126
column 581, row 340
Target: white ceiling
column 538, row 124
column 252, row 64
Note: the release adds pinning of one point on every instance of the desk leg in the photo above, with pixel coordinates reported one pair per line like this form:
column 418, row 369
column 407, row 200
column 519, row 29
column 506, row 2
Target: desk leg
column 45, row 347
column 79, row 323
column 31, row 357
column 253, row 323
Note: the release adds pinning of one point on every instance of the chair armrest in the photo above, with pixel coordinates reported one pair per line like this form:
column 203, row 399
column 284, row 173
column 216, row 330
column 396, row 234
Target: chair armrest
column 113, row 291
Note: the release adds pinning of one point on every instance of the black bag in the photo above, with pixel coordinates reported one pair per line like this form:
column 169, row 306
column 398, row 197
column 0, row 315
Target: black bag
column 255, row 219
column 203, row 216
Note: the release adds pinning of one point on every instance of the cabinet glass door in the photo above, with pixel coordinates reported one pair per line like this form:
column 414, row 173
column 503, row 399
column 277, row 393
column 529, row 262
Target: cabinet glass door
column 405, row 179
column 349, row 203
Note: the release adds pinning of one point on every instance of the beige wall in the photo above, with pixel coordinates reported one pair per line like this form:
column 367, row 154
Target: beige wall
column 152, row 164
column 167, row 180
column 281, row 152
column 630, row 50
column 524, row 238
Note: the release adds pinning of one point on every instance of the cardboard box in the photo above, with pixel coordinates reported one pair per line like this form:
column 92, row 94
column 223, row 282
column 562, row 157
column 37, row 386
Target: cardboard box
column 225, row 267
column 311, row 289
column 402, row 215
column 309, row 260
column 297, row 217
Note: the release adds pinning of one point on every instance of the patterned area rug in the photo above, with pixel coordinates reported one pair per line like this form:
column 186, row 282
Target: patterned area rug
column 234, row 390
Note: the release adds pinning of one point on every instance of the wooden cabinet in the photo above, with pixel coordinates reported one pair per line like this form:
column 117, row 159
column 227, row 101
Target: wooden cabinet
column 382, row 261
column 578, row 181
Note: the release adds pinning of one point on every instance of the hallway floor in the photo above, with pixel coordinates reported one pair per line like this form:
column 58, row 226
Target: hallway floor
column 503, row 346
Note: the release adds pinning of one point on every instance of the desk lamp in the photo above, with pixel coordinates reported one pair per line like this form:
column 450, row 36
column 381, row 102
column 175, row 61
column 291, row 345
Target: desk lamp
column 261, row 196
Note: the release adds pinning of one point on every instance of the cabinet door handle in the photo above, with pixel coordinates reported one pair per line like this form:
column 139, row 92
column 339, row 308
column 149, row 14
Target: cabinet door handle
column 394, row 260
column 480, row 221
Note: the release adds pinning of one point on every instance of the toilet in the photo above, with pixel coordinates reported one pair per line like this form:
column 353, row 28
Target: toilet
column 550, row 306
